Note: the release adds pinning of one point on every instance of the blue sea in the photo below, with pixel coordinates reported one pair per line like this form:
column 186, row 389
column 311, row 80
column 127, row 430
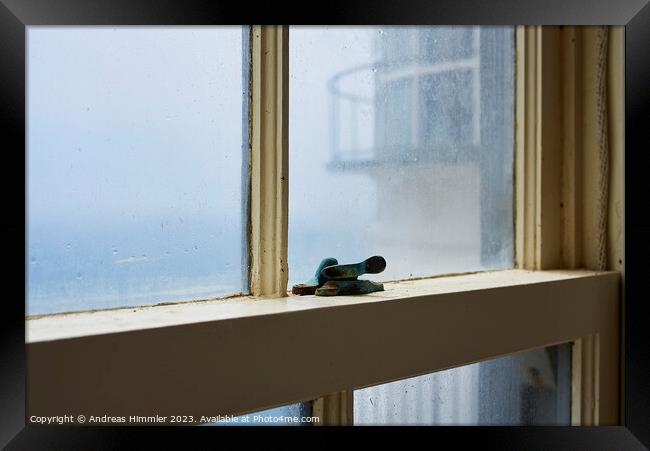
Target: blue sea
column 73, row 267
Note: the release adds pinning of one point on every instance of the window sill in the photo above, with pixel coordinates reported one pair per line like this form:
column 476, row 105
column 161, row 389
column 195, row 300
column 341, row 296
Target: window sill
column 244, row 354
column 62, row 326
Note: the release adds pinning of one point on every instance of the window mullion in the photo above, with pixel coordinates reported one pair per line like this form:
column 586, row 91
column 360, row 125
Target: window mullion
column 538, row 185
column 269, row 191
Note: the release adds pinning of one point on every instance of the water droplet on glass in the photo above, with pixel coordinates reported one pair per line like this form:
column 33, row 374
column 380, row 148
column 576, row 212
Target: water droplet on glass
column 79, row 276
column 68, row 245
column 114, row 251
column 32, row 260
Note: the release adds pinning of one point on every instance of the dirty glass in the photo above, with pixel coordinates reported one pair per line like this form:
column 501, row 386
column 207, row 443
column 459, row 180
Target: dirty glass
column 401, row 145
column 135, row 139
column 529, row 388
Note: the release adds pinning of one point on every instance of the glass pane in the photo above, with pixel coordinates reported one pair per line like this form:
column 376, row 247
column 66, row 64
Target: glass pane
column 298, row 414
column 134, row 165
column 530, row 388
column 401, row 145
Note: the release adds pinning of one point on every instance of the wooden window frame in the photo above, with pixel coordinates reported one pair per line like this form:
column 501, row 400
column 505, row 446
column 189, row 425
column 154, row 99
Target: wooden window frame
column 267, row 349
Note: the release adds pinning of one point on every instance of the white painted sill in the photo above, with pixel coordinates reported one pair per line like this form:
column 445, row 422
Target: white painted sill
column 245, row 354
column 97, row 322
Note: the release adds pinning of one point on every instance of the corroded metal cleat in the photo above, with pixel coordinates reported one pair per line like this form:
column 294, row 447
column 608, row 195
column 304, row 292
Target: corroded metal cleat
column 372, row 265
column 332, row 279
column 343, row 287
column 316, row 280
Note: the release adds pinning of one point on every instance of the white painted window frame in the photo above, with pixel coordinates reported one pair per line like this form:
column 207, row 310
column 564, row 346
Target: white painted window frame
column 254, row 352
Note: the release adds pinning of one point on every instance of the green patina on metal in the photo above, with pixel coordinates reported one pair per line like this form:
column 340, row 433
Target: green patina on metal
column 332, row 279
column 316, row 280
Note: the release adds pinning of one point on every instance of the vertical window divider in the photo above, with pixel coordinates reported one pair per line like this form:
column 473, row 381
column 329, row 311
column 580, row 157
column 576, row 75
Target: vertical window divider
column 269, row 160
column 538, row 155
column 269, row 185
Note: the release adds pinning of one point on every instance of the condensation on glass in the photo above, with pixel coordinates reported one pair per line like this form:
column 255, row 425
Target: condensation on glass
column 401, row 144
column 135, row 139
column 529, row 388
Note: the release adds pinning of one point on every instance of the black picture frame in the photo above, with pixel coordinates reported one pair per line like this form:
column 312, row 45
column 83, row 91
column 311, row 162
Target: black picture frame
column 15, row 15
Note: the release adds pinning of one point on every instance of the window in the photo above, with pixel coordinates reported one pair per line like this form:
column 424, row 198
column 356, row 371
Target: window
column 408, row 135
column 431, row 146
column 405, row 149
column 530, row 388
column 136, row 163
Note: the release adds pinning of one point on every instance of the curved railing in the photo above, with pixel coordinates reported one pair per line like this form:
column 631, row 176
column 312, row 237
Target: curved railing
column 354, row 116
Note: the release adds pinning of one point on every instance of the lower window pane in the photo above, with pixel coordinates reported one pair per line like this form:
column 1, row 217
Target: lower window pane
column 529, row 388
